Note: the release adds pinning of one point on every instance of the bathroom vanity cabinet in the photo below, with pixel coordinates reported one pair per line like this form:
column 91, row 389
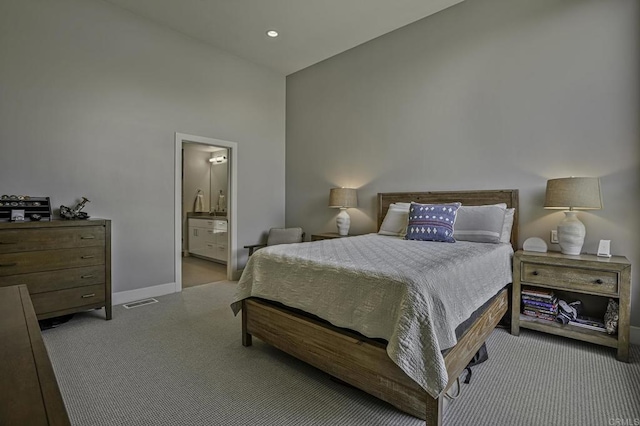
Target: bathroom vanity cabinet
column 208, row 238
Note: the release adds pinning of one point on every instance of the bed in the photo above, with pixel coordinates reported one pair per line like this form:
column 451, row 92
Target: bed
column 375, row 364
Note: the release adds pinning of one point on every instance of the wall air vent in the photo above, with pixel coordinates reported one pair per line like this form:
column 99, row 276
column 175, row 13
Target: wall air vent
column 139, row 303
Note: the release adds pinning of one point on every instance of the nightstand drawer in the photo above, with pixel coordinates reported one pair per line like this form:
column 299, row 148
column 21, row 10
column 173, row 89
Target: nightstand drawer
column 591, row 280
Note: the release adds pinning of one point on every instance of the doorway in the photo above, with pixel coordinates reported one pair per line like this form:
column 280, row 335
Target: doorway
column 205, row 210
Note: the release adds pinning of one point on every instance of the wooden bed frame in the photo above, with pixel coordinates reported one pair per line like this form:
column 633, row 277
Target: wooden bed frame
column 363, row 362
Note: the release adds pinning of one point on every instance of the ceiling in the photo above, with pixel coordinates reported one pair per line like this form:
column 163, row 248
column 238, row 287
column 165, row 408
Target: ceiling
column 310, row 30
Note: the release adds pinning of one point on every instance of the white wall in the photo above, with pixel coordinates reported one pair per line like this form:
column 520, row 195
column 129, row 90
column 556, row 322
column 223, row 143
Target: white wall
column 486, row 94
column 90, row 99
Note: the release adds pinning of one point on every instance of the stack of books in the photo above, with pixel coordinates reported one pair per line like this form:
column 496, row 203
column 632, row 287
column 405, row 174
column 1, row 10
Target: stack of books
column 539, row 303
column 590, row 323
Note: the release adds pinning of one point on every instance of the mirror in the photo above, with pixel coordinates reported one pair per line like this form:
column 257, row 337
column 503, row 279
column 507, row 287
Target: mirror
column 218, row 181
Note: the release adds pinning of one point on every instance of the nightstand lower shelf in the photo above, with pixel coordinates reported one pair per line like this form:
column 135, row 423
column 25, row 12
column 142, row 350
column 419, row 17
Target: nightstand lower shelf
column 568, row 330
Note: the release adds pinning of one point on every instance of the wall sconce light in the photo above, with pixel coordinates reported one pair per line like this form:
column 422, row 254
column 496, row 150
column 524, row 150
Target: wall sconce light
column 218, row 159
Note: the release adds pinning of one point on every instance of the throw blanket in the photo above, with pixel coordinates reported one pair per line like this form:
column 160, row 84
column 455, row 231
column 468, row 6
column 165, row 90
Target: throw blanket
column 411, row 293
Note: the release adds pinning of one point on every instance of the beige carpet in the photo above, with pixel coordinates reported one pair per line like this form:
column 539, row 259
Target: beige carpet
column 181, row 362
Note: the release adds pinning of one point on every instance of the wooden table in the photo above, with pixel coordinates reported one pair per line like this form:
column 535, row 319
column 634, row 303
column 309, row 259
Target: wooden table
column 28, row 388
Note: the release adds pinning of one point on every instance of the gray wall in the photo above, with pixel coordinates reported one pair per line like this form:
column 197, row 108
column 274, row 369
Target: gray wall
column 90, row 99
column 486, row 94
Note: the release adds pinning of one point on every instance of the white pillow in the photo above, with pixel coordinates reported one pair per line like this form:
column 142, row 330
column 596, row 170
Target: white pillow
column 396, row 220
column 481, row 224
column 405, row 206
column 507, row 225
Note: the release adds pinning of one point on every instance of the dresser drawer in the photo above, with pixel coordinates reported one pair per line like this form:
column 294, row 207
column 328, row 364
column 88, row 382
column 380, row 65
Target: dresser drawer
column 592, row 280
column 50, row 260
column 41, row 282
column 61, row 300
column 18, row 240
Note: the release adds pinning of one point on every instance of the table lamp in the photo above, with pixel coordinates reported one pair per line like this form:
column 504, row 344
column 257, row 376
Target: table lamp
column 343, row 198
column 572, row 193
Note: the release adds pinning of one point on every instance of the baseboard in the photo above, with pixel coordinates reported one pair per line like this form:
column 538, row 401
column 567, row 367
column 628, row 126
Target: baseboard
column 142, row 293
column 235, row 275
column 634, row 335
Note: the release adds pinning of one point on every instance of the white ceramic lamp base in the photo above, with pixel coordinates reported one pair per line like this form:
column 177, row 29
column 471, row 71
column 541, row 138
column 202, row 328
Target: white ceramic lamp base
column 571, row 233
column 343, row 221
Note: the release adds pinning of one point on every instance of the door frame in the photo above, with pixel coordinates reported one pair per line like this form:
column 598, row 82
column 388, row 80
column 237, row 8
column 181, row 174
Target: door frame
column 232, row 202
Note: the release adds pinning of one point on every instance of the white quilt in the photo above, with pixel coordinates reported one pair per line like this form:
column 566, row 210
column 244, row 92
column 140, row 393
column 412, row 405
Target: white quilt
column 411, row 293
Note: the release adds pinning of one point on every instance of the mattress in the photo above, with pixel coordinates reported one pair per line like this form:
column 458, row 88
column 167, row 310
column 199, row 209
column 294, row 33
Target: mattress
column 413, row 294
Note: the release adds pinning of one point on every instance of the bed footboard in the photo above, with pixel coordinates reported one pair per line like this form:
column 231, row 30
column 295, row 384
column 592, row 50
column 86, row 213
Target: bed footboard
column 359, row 361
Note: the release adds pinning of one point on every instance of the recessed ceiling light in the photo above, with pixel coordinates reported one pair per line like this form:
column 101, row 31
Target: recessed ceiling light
column 272, row 33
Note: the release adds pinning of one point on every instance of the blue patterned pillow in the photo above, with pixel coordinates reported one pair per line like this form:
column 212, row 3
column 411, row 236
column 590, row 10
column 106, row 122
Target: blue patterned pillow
column 432, row 222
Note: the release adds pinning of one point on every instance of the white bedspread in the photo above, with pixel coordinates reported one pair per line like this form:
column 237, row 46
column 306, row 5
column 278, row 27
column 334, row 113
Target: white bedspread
column 411, row 293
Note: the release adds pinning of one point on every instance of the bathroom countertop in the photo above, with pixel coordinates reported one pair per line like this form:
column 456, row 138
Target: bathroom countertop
column 205, row 215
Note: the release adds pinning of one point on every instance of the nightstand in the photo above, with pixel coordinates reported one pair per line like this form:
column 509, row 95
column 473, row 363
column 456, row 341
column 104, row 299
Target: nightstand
column 588, row 278
column 328, row 236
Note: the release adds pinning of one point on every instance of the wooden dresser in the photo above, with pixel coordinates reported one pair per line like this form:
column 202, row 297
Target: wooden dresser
column 30, row 393
column 66, row 265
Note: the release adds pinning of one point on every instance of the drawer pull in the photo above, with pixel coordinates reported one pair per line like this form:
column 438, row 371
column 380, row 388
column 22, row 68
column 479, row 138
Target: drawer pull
column 8, row 242
column 2, row 265
column 598, row 281
column 87, row 257
column 87, row 276
column 86, row 296
column 534, row 273
column 88, row 237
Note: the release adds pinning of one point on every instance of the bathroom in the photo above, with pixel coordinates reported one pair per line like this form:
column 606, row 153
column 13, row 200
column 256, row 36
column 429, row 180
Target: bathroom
column 205, row 203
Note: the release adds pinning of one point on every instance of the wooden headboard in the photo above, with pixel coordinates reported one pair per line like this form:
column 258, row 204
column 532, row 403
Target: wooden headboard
column 467, row 198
